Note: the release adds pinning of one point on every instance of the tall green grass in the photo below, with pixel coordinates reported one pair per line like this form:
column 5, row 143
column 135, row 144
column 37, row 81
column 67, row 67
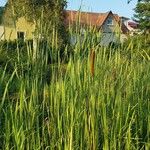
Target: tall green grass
column 62, row 107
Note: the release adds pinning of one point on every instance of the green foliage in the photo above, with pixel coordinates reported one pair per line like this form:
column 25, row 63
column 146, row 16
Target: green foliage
column 34, row 9
column 10, row 51
column 142, row 15
column 137, row 46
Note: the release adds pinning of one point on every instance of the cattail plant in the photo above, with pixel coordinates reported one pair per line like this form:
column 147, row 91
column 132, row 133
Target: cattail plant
column 92, row 62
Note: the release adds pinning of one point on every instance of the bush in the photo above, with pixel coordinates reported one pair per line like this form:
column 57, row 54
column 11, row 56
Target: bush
column 137, row 46
column 11, row 52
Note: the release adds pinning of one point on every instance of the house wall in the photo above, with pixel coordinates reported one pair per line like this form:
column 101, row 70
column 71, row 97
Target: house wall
column 108, row 38
column 10, row 33
column 27, row 27
column 1, row 33
column 21, row 26
column 110, row 28
column 123, row 37
column 110, row 33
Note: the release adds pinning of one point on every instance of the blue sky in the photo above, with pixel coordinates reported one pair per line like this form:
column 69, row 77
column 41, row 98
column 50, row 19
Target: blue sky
column 117, row 6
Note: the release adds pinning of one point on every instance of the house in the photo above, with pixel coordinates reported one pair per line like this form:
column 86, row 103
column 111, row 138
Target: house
column 131, row 25
column 15, row 29
column 109, row 24
column 22, row 29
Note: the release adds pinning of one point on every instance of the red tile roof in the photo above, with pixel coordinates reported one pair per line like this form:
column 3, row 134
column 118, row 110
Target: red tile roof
column 87, row 18
column 90, row 18
column 133, row 24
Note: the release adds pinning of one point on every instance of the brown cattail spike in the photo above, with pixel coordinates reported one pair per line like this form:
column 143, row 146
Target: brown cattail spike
column 92, row 62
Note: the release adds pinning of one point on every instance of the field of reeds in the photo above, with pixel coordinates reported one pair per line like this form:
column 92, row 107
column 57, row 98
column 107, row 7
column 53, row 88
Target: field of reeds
column 98, row 99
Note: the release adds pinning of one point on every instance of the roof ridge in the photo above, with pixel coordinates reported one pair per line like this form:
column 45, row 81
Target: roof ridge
column 86, row 12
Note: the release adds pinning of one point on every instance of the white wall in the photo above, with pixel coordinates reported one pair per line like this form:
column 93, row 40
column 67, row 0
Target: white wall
column 123, row 38
column 1, row 33
column 107, row 38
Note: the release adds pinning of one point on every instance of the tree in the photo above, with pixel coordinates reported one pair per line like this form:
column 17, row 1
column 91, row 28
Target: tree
column 142, row 15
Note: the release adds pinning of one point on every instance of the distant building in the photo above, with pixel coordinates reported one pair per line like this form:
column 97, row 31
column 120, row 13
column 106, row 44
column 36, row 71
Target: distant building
column 23, row 30
column 109, row 24
column 15, row 29
column 131, row 25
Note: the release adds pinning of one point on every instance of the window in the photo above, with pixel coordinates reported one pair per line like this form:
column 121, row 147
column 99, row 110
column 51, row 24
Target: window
column 20, row 36
column 109, row 21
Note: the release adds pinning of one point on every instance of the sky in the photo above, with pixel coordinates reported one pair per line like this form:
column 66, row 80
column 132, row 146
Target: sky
column 116, row 6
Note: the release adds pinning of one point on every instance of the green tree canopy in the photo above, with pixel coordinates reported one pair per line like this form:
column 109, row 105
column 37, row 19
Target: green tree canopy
column 34, row 9
column 142, row 14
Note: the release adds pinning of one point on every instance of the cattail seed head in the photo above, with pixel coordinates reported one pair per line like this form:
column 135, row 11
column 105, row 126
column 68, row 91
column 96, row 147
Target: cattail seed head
column 92, row 62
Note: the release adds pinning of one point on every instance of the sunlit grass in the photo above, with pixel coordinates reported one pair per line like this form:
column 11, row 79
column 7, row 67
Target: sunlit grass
column 63, row 106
